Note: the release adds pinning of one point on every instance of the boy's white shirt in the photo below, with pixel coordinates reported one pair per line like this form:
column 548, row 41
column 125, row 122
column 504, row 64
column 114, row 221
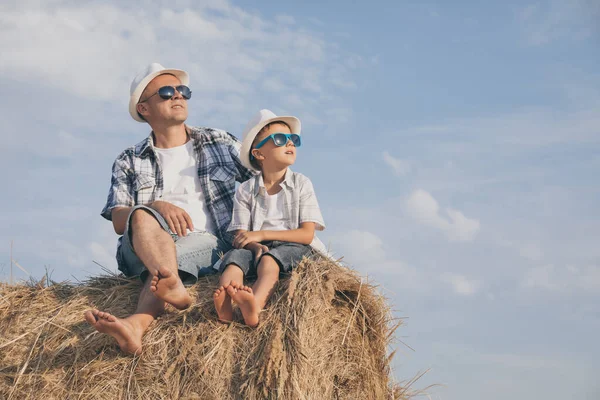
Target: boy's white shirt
column 299, row 205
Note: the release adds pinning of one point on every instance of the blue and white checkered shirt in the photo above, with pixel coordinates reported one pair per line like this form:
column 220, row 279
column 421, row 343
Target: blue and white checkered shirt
column 137, row 177
column 300, row 205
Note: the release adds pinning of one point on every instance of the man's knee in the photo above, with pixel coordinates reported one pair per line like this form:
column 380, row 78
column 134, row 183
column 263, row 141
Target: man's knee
column 140, row 219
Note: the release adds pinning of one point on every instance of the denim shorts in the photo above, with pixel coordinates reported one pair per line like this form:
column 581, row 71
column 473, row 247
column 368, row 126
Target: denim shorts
column 287, row 255
column 196, row 252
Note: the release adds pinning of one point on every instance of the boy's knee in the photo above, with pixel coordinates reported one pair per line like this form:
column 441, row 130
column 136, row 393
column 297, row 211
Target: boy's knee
column 268, row 264
column 233, row 268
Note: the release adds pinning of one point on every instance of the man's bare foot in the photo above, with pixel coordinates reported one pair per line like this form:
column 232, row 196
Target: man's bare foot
column 222, row 301
column 127, row 336
column 168, row 287
column 244, row 297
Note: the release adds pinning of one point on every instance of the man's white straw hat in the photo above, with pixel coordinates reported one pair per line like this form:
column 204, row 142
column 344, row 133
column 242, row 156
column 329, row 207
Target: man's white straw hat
column 142, row 80
column 259, row 121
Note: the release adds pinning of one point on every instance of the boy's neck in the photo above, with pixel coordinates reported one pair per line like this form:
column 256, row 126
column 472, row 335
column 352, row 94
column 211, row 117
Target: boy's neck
column 272, row 179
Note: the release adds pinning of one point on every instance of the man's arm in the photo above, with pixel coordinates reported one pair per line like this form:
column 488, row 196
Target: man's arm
column 243, row 173
column 303, row 235
column 119, row 218
column 177, row 218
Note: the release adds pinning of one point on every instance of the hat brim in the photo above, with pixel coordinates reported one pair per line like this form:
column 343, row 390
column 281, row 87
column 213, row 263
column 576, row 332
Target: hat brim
column 293, row 122
column 135, row 97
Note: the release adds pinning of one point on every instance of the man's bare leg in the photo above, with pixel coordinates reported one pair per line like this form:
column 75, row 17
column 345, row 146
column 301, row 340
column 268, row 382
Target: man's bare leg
column 221, row 298
column 155, row 247
column 128, row 331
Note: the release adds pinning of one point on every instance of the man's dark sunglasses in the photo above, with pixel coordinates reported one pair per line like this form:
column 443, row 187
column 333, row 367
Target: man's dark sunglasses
column 167, row 92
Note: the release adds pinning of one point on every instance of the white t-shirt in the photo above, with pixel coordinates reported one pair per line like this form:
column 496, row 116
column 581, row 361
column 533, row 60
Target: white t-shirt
column 274, row 220
column 182, row 186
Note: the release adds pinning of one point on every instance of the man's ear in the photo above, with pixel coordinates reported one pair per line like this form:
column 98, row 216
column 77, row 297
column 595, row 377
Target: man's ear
column 142, row 108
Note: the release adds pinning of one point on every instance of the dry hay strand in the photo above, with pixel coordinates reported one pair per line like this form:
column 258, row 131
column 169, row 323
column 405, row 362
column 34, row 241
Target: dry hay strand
column 324, row 335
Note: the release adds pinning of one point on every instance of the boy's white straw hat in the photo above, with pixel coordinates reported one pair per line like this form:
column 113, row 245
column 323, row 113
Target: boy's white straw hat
column 144, row 77
column 258, row 121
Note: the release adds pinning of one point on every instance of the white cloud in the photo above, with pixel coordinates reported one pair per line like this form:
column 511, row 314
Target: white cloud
column 93, row 50
column 421, row 206
column 461, row 285
column 365, row 252
column 359, row 248
column 569, row 278
column 399, row 167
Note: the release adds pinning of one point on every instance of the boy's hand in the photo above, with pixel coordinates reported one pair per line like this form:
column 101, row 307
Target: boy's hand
column 258, row 249
column 243, row 238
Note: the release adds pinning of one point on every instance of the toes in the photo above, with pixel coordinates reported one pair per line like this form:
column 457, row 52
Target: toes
column 231, row 290
column 90, row 317
column 111, row 318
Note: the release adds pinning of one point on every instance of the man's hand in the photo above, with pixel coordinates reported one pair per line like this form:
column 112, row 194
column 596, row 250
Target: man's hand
column 242, row 238
column 258, row 249
column 179, row 221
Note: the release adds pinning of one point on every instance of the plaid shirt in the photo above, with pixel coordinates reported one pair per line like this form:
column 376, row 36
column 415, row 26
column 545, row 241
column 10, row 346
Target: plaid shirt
column 137, row 177
column 300, row 205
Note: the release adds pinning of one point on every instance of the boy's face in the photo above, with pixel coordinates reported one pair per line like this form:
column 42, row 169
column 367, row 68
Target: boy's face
column 272, row 156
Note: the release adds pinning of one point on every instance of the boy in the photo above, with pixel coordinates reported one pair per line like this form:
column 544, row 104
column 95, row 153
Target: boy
column 275, row 214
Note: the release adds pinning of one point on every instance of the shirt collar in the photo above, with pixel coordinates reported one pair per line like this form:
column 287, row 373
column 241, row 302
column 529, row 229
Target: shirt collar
column 147, row 145
column 260, row 183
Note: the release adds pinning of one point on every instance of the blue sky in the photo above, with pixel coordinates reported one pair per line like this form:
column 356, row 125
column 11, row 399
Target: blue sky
column 454, row 150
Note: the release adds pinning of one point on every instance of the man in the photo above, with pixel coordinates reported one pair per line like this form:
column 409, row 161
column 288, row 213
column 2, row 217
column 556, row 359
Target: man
column 171, row 197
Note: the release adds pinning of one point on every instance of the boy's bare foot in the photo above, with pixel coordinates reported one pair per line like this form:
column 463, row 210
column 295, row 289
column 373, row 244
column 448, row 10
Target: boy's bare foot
column 168, row 287
column 244, row 297
column 222, row 301
column 128, row 337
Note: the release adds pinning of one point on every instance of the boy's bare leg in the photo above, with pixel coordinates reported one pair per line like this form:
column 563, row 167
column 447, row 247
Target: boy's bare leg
column 128, row 331
column 268, row 275
column 221, row 298
column 156, row 249
column 252, row 300
column 244, row 297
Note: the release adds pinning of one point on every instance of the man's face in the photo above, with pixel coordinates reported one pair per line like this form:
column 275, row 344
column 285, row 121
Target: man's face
column 156, row 109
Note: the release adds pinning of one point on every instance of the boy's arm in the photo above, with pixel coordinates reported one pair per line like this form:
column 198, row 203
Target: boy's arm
column 241, row 217
column 303, row 235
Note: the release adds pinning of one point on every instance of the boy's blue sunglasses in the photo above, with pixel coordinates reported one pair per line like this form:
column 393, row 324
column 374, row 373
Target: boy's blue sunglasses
column 280, row 139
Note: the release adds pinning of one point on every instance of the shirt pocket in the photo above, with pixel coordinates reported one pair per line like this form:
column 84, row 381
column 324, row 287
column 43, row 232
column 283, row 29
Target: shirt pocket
column 223, row 172
column 222, row 186
column 143, row 185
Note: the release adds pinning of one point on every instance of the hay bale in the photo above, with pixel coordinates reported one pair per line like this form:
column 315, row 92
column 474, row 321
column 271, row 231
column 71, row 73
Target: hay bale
column 324, row 335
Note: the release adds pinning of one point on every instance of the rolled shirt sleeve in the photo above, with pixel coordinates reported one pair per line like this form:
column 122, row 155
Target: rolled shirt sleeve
column 121, row 192
column 309, row 206
column 241, row 217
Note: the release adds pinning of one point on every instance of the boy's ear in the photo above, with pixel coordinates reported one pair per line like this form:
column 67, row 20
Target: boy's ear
column 257, row 154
